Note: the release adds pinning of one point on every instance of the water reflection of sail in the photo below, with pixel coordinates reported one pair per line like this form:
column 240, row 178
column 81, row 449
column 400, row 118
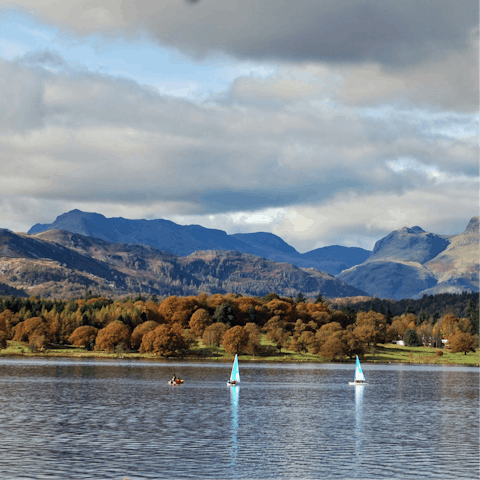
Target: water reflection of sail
column 359, row 389
column 234, row 397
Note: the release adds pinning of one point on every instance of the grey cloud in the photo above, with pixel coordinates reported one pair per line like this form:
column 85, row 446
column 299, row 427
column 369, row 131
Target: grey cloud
column 107, row 141
column 338, row 31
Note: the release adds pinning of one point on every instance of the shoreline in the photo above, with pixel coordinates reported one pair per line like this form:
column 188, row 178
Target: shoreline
column 366, row 359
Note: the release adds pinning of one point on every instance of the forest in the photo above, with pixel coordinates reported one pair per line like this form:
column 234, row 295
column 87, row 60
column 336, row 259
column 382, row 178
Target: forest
column 173, row 326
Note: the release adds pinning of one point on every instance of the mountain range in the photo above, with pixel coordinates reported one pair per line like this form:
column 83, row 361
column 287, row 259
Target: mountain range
column 117, row 256
column 62, row 264
column 182, row 240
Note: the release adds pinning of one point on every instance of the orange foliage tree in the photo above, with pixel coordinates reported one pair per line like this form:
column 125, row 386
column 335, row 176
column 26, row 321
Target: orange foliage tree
column 371, row 327
column 462, row 342
column 213, row 334
column 83, row 336
column 178, row 309
column 165, row 340
column 139, row 331
column 199, row 321
column 235, row 340
column 115, row 336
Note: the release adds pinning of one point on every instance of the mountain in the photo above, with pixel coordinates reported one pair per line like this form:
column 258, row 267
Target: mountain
column 183, row 240
column 62, row 264
column 409, row 263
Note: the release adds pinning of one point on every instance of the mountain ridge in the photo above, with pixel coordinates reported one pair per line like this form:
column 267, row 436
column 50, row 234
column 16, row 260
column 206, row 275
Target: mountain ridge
column 62, row 264
column 183, row 240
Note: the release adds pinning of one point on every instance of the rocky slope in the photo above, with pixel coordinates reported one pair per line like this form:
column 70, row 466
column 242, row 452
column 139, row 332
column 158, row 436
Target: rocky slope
column 409, row 263
column 61, row 264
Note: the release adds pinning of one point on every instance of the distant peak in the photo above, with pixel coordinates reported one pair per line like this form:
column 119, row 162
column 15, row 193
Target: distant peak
column 415, row 229
column 473, row 225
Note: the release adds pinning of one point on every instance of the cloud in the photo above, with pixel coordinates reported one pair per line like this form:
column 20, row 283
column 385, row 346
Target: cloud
column 338, row 31
column 75, row 139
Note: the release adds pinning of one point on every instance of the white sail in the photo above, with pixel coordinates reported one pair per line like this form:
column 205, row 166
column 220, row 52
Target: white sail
column 235, row 375
column 359, row 376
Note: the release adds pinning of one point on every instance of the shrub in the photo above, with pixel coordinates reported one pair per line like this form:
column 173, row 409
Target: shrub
column 439, row 353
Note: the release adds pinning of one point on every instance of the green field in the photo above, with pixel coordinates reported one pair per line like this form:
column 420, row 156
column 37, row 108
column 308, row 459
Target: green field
column 388, row 353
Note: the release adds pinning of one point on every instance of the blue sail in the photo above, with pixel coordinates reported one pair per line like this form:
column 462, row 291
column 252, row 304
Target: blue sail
column 235, row 375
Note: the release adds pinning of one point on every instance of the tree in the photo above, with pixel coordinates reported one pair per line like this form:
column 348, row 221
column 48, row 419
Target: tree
column 253, row 331
column 276, row 332
column 3, row 339
column 32, row 327
column 235, row 340
column 169, row 340
column 319, row 299
column 199, row 321
column 300, row 298
column 139, row 331
column 115, row 336
column 224, row 314
column 371, row 327
column 213, row 334
column 410, row 338
column 463, row 342
column 325, row 332
column 82, row 336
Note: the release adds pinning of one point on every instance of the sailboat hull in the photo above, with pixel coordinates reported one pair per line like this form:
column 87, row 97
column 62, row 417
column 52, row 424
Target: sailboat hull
column 358, row 383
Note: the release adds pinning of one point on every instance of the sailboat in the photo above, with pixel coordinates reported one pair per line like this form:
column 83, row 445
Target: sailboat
column 235, row 375
column 359, row 376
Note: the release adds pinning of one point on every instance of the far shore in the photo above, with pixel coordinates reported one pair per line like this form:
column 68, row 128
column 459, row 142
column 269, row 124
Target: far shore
column 381, row 354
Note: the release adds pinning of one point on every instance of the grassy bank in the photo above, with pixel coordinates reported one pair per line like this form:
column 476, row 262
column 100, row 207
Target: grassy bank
column 388, row 353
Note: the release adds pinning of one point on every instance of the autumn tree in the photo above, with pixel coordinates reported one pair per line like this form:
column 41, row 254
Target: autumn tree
column 253, row 347
column 165, row 340
column 7, row 321
column 139, row 331
column 28, row 329
column 3, row 339
column 463, row 342
column 277, row 332
column 199, row 321
column 323, row 335
column 178, row 309
column 371, row 327
column 235, row 340
column 83, row 336
column 115, row 336
column 213, row 334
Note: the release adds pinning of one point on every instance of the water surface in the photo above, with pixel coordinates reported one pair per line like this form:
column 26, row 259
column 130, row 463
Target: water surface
column 104, row 419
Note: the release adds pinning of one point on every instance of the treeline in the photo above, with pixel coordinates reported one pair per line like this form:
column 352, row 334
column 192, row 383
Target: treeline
column 435, row 306
column 176, row 325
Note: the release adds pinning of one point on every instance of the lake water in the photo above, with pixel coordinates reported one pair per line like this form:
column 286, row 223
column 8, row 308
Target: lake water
column 94, row 419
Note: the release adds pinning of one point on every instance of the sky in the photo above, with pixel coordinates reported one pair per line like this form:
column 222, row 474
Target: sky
column 326, row 122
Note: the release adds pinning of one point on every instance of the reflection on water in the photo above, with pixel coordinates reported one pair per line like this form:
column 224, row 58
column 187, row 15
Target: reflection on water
column 100, row 419
column 234, row 397
column 358, row 422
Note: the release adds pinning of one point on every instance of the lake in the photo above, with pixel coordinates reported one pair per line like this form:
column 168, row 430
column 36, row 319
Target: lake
column 115, row 419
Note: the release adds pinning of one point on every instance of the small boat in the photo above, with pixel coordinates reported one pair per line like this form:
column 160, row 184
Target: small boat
column 235, row 375
column 177, row 381
column 359, row 376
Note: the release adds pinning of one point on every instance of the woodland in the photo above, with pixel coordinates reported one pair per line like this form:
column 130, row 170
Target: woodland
column 258, row 326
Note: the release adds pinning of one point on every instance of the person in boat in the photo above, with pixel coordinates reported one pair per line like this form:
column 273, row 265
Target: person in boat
column 174, row 378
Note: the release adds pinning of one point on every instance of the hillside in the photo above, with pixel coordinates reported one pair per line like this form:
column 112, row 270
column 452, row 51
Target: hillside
column 409, row 263
column 61, row 264
column 182, row 240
